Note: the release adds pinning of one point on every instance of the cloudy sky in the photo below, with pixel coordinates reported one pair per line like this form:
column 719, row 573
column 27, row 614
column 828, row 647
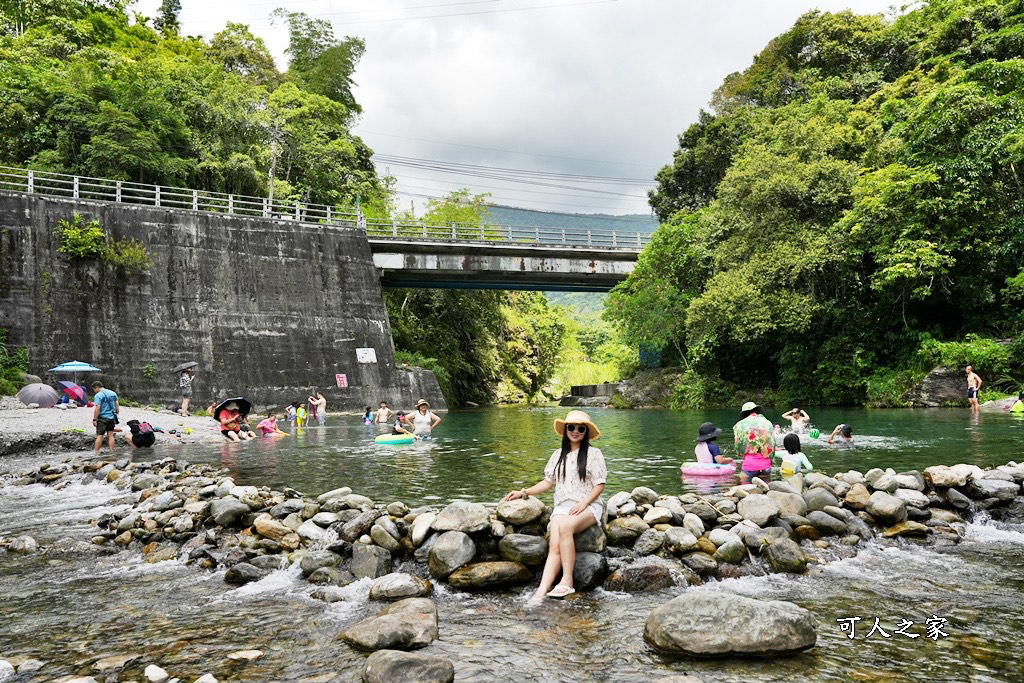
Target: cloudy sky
column 594, row 88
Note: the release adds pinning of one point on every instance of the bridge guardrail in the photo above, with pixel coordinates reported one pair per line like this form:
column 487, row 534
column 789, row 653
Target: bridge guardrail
column 52, row 184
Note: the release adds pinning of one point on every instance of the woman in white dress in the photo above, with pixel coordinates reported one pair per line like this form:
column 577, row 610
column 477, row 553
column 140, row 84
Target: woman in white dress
column 577, row 472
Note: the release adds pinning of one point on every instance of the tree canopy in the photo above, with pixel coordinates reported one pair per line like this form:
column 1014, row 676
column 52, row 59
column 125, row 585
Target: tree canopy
column 853, row 195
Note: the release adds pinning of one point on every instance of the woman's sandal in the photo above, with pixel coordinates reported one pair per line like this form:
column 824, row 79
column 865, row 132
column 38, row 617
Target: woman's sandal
column 561, row 591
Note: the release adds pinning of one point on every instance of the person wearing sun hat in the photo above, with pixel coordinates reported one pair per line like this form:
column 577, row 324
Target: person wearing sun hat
column 755, row 442
column 423, row 421
column 706, row 450
column 577, row 472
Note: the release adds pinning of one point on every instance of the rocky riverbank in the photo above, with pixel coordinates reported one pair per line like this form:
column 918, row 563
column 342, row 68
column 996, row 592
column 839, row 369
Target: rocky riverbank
column 196, row 514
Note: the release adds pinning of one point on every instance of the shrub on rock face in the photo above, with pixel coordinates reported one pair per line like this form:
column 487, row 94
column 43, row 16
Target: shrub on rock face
column 715, row 623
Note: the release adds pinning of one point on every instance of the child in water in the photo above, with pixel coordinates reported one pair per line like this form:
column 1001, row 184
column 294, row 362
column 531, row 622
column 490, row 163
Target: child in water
column 397, row 428
column 300, row 415
column 290, row 413
column 845, row 433
column 368, row 416
column 706, row 450
column 793, row 460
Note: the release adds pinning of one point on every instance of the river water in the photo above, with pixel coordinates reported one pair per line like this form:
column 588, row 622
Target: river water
column 69, row 609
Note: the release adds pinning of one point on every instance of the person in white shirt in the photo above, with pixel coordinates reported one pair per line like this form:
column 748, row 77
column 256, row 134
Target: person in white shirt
column 577, row 472
column 423, row 421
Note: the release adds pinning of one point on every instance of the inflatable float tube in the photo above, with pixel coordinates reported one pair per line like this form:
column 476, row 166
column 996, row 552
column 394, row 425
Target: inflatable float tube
column 702, row 469
column 394, row 439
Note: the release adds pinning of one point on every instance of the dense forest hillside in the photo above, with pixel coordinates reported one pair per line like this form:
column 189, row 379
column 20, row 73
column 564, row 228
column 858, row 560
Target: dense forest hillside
column 848, row 213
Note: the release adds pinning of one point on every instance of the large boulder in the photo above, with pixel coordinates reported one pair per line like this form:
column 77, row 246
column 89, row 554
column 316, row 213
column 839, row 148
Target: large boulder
column 591, row 540
column 789, row 503
column 464, row 517
column 942, row 476
column 625, row 530
column 941, row 387
column 992, row 488
column 857, row 497
column 451, row 550
column 487, row 575
column 243, row 573
column 649, row 542
column 638, row 578
column 783, row 555
column 408, row 624
column 886, row 508
column 398, row 586
column 758, row 508
column 912, row 498
column 826, row 524
column 523, row 548
column 369, row 561
column 590, row 571
column 521, row 511
column 226, row 511
column 394, row 666
column 818, row 498
column 704, row 623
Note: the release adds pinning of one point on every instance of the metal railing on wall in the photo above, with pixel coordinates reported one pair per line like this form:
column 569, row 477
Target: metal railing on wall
column 162, row 196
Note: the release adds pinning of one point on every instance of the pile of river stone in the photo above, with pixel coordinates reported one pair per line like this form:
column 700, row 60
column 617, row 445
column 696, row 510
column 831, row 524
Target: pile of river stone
column 650, row 541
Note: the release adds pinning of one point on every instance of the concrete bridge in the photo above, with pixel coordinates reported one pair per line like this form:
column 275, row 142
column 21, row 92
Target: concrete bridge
column 406, row 254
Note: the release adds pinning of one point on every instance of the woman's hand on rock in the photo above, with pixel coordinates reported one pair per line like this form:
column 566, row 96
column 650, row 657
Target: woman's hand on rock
column 513, row 495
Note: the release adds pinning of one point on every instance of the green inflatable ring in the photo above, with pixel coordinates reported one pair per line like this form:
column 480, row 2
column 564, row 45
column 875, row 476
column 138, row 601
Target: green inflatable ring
column 394, row 439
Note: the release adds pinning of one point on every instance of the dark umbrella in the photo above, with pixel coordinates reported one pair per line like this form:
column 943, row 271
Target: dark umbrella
column 73, row 390
column 184, row 366
column 238, row 403
column 43, row 394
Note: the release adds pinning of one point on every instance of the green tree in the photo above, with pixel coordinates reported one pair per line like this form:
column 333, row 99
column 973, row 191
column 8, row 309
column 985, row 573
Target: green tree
column 167, row 18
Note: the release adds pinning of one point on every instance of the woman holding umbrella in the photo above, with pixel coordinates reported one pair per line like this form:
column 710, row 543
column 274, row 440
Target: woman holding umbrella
column 229, row 414
column 185, row 382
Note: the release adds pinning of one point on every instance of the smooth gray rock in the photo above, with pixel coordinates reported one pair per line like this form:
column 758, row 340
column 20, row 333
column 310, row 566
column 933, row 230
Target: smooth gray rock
column 679, row 540
column 520, row 511
column 649, row 542
column 243, row 573
column 817, row 499
column 395, row 666
column 331, row 576
column 369, row 561
column 912, row 498
column 354, row 528
column 451, row 550
column 732, row 552
column 886, row 508
column 525, row 549
column 286, row 508
column 408, row 624
column 639, row 578
column 788, row 503
column 826, row 524
column 706, row 623
column 591, row 540
column 226, row 511
column 992, row 488
column 398, row 586
column 385, row 540
column 625, row 530
column 464, row 517
column 590, row 571
column 421, row 527
column 315, row 559
column 642, row 495
column 783, row 555
column 759, row 509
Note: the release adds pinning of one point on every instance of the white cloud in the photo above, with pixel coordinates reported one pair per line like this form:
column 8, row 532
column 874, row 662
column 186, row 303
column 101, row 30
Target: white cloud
column 616, row 81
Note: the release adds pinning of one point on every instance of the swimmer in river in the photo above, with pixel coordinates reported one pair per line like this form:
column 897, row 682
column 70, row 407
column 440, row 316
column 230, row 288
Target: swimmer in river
column 845, row 433
column 798, row 420
column 973, row 388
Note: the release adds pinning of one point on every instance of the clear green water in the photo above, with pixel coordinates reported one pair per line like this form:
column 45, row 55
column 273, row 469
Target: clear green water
column 482, row 454
column 69, row 610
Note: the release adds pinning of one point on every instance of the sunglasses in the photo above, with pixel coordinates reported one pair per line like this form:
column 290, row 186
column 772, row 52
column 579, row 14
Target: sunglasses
column 582, row 429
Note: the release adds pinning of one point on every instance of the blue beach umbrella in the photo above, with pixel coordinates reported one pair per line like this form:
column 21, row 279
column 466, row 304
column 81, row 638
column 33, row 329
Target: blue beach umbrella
column 75, row 366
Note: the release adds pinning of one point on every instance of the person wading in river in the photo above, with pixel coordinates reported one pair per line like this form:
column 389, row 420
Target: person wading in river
column 755, row 443
column 577, row 472
column 973, row 387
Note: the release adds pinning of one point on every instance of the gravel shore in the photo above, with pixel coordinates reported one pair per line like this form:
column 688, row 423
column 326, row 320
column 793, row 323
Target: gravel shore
column 23, row 430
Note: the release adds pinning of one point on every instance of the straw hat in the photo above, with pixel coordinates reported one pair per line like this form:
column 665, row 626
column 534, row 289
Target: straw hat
column 578, row 417
column 422, row 402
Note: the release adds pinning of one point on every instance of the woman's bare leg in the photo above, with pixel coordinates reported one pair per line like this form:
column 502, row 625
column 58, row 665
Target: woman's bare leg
column 554, row 562
column 573, row 525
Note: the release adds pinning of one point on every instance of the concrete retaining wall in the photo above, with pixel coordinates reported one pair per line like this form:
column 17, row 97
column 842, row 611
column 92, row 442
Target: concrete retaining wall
column 269, row 308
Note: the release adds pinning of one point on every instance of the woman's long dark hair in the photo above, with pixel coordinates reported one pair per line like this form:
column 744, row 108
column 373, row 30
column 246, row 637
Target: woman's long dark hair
column 581, row 459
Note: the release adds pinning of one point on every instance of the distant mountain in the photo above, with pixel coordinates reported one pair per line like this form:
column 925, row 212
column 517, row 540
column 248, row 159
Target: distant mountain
column 598, row 222
column 583, row 306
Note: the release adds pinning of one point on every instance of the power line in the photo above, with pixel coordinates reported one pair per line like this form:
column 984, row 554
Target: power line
column 514, row 189
column 509, row 199
column 509, row 151
column 521, row 172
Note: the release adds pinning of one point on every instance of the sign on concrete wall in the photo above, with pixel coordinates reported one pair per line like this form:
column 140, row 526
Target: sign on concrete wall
column 342, row 381
column 366, row 355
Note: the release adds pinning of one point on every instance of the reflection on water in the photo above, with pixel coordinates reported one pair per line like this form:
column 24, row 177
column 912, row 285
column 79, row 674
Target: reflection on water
column 482, row 454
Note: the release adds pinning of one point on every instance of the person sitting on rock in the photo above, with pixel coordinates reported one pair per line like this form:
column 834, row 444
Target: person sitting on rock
column 845, row 433
column 577, row 472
